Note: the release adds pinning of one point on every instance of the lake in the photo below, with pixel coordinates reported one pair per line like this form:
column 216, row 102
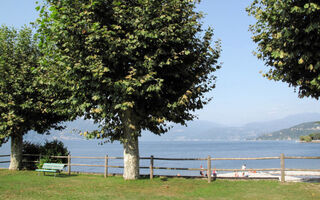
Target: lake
column 217, row 149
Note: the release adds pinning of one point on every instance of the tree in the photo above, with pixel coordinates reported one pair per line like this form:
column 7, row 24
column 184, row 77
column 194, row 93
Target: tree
column 28, row 100
column 133, row 65
column 288, row 36
column 305, row 138
column 315, row 136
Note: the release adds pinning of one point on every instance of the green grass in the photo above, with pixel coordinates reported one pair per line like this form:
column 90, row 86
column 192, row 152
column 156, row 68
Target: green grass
column 28, row 185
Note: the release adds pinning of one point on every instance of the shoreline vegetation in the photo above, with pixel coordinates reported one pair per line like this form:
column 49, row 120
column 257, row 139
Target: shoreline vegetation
column 313, row 138
column 28, row 185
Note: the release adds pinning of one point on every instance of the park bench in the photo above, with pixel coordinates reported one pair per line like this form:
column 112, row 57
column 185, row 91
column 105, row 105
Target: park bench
column 52, row 168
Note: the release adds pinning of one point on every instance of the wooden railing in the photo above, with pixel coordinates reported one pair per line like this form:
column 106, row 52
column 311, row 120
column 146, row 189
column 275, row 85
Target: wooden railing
column 209, row 160
column 4, row 156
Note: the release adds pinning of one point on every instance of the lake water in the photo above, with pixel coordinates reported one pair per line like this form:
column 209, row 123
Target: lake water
column 218, row 149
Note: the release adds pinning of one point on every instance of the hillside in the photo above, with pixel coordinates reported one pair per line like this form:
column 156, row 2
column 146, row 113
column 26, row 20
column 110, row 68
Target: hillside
column 292, row 133
column 197, row 130
column 207, row 131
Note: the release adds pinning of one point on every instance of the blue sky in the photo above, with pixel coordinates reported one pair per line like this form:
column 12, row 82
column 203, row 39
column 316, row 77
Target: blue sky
column 242, row 95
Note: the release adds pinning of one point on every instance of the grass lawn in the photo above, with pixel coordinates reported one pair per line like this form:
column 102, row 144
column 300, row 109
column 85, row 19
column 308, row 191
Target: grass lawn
column 28, row 185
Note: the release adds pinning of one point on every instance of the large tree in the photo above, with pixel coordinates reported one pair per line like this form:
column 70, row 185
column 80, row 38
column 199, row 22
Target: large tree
column 27, row 101
column 288, row 36
column 133, row 65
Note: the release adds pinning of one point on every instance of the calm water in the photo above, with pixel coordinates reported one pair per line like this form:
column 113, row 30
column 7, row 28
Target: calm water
column 194, row 150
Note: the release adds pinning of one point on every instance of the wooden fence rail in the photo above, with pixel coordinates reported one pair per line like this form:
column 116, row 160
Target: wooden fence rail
column 300, row 157
column 209, row 160
column 264, row 158
column 177, row 159
column 6, row 161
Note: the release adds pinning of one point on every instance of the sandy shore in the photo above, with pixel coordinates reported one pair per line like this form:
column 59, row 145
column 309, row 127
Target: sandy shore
column 297, row 173
column 290, row 176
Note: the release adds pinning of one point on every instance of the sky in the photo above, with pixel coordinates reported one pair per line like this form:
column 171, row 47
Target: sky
column 241, row 95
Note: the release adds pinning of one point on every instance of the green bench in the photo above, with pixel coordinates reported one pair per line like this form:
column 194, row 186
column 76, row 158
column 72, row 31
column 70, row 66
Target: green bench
column 52, row 168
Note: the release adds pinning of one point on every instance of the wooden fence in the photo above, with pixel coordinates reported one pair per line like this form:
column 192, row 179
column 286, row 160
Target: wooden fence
column 209, row 160
column 4, row 156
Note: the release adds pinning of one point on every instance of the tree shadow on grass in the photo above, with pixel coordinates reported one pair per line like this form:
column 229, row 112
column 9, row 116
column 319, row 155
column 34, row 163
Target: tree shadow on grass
column 311, row 180
column 62, row 175
column 167, row 177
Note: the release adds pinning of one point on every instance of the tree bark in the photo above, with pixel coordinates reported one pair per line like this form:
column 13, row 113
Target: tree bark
column 16, row 152
column 130, row 150
column 131, row 159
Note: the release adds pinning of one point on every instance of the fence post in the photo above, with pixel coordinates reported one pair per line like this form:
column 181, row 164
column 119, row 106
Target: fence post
column 69, row 164
column 282, row 179
column 209, row 169
column 151, row 167
column 106, row 166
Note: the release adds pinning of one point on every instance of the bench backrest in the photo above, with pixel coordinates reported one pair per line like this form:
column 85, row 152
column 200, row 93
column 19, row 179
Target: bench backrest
column 56, row 166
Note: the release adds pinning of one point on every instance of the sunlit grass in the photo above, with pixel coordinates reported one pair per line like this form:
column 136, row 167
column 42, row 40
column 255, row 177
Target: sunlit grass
column 28, row 185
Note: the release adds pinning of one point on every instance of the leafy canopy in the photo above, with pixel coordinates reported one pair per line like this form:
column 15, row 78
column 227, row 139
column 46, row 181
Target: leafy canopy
column 143, row 57
column 288, row 36
column 27, row 101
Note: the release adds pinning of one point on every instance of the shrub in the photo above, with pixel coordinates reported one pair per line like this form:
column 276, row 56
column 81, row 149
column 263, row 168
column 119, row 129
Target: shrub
column 308, row 138
column 315, row 136
column 48, row 149
column 29, row 162
column 54, row 148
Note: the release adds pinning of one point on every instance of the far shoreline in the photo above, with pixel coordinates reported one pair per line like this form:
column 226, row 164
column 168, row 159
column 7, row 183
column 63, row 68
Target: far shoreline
column 313, row 141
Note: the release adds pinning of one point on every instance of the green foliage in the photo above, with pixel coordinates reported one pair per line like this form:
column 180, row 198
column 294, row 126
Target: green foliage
column 310, row 137
column 288, row 36
column 130, row 64
column 53, row 148
column 28, row 101
column 305, row 138
column 292, row 133
column 315, row 136
column 43, row 160
column 30, row 148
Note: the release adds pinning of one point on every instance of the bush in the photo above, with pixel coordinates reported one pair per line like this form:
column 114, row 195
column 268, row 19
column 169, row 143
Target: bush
column 53, row 148
column 306, row 138
column 315, row 136
column 29, row 162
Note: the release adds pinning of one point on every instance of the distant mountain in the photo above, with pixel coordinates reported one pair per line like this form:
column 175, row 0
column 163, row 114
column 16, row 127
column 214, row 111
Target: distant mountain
column 196, row 130
column 208, row 131
column 70, row 133
column 286, row 122
column 292, row 133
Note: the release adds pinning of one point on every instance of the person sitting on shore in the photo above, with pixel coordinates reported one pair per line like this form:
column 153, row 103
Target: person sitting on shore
column 214, row 174
column 201, row 171
column 236, row 174
column 244, row 167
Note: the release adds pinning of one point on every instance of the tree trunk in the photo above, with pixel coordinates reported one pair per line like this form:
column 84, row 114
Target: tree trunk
column 16, row 152
column 131, row 159
column 130, row 150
